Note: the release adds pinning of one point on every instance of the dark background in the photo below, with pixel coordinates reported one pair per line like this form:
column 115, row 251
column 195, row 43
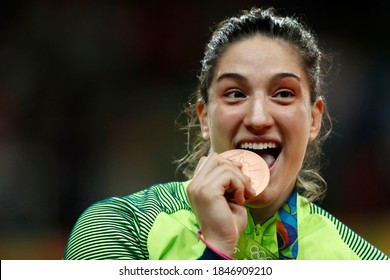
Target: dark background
column 90, row 91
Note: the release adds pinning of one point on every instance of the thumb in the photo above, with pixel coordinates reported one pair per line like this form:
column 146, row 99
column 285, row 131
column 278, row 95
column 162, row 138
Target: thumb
column 200, row 164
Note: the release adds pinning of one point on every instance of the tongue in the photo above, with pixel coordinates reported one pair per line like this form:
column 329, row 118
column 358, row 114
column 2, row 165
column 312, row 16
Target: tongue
column 268, row 158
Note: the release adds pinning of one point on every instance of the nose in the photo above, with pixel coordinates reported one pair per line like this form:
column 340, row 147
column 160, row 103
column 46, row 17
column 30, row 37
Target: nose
column 258, row 115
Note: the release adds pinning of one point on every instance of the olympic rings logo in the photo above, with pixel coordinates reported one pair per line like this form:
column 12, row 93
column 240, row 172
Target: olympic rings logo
column 258, row 254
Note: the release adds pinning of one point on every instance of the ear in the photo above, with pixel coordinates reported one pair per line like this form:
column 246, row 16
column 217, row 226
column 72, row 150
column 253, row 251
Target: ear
column 316, row 118
column 201, row 109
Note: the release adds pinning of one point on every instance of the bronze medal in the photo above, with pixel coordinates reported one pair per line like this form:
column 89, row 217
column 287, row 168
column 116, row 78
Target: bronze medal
column 253, row 166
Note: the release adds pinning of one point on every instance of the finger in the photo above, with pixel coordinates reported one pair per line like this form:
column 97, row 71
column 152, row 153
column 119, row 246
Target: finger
column 201, row 162
column 238, row 188
column 249, row 192
column 234, row 184
column 222, row 177
column 240, row 216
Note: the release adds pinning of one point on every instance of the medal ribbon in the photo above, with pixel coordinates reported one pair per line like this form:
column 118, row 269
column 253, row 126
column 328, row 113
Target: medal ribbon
column 287, row 229
column 286, row 234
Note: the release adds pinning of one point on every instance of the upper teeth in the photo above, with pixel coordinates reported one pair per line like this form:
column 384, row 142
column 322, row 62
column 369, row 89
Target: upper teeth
column 257, row 146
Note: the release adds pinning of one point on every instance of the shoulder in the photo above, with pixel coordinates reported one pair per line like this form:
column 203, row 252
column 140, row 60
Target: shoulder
column 159, row 197
column 336, row 240
column 117, row 227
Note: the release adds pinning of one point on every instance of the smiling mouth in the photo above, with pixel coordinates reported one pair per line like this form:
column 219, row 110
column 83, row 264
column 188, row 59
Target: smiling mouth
column 269, row 151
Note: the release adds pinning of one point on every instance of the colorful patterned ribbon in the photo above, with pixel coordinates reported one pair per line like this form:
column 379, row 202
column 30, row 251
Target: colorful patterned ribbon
column 286, row 229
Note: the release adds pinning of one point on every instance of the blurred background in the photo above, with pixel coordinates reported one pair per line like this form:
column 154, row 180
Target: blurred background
column 90, row 92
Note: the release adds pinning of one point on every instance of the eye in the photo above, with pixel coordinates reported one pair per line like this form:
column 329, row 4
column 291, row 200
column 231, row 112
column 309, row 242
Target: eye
column 284, row 94
column 235, row 94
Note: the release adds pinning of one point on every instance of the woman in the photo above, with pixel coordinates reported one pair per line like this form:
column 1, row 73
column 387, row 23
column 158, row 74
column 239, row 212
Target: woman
column 260, row 89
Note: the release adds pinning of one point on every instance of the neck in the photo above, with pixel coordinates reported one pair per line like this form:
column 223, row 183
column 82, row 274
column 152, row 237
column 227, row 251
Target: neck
column 261, row 215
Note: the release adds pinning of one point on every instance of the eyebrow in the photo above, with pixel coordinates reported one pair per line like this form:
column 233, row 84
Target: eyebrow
column 275, row 77
column 282, row 75
column 235, row 76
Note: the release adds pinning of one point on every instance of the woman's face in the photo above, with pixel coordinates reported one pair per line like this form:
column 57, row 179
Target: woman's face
column 259, row 99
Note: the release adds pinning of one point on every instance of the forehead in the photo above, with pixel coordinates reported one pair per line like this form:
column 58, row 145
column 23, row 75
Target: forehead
column 261, row 55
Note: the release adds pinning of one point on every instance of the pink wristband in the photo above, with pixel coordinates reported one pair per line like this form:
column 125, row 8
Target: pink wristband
column 215, row 250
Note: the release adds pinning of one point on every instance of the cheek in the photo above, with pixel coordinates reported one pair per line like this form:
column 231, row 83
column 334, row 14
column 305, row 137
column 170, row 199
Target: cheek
column 223, row 122
column 296, row 122
column 223, row 117
column 295, row 128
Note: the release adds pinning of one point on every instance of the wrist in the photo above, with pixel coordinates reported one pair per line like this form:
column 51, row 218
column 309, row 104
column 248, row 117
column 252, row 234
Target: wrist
column 214, row 249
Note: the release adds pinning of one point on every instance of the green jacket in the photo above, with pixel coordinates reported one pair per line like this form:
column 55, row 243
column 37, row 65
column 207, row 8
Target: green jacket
column 158, row 223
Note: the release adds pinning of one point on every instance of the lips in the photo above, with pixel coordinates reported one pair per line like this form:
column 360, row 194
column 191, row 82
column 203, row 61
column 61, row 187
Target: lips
column 269, row 151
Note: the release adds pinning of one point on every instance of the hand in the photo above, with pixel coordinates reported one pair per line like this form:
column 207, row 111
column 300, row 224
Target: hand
column 217, row 195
